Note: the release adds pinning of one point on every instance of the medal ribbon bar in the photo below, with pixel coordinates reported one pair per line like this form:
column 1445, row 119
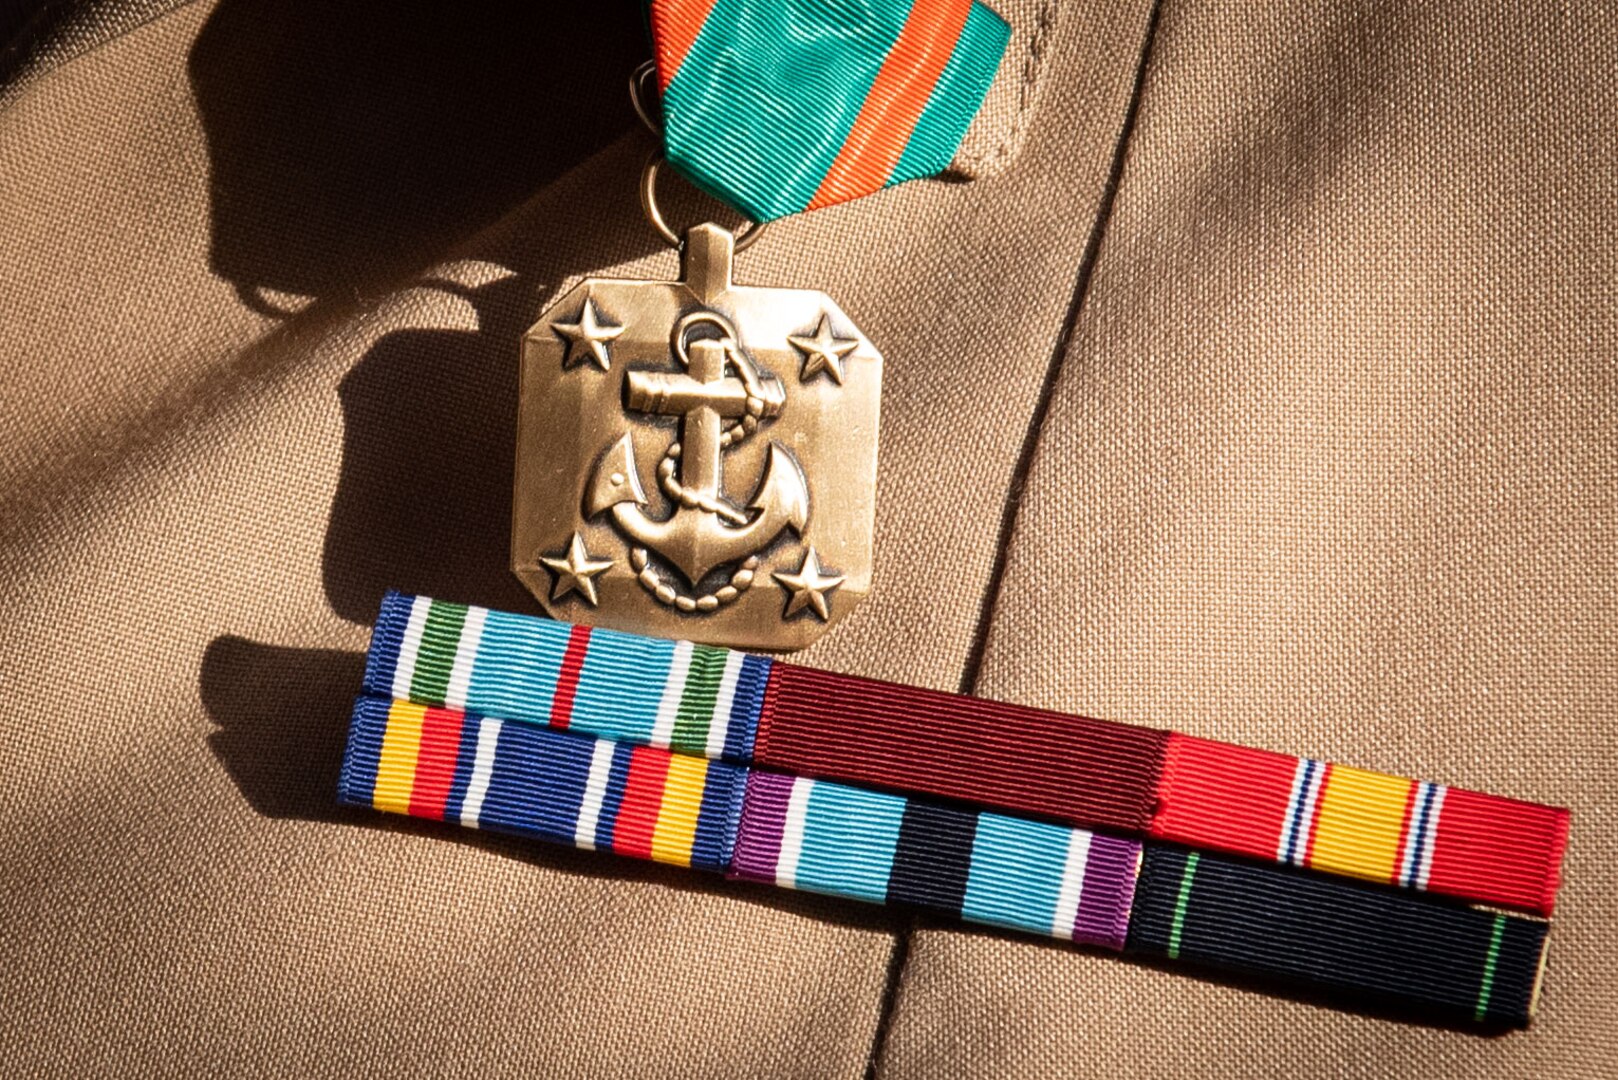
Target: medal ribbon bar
column 724, row 704
column 1359, row 944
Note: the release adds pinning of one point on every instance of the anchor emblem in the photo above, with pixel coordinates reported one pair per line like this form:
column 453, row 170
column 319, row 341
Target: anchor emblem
column 717, row 412
column 696, row 457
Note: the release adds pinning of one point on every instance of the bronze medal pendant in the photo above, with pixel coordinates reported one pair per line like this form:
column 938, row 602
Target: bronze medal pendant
column 697, row 459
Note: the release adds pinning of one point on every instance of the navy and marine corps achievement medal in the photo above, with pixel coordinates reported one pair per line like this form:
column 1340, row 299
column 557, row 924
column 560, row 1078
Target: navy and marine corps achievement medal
column 696, row 459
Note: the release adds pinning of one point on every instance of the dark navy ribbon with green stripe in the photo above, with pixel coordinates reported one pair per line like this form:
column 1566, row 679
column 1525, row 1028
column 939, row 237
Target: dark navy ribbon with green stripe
column 1374, row 944
column 780, row 106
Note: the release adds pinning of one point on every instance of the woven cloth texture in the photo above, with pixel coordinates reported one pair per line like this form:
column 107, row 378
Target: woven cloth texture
column 527, row 780
column 1329, row 465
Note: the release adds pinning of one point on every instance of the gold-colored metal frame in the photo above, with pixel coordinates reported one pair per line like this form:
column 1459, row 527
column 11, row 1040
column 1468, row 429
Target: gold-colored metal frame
column 665, row 425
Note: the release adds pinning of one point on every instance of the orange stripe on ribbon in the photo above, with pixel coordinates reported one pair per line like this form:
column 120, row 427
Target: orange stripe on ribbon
column 676, row 25
column 898, row 96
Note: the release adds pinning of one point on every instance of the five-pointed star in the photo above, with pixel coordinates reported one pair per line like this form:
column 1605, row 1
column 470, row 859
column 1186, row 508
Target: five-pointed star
column 823, row 352
column 809, row 587
column 588, row 334
column 575, row 571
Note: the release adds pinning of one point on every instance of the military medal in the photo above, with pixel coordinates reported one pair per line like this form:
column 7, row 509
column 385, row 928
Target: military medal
column 697, row 458
column 749, row 413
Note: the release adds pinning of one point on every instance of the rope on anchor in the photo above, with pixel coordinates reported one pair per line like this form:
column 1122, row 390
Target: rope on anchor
column 667, row 470
column 664, row 593
column 733, row 435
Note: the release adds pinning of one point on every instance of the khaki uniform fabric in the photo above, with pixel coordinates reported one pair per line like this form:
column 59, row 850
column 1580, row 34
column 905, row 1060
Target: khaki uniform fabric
column 1261, row 386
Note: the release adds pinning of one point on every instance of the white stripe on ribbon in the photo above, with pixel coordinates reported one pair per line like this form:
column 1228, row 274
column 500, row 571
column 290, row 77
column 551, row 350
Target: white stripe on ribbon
column 1072, row 890
column 482, row 766
column 466, row 651
column 1409, row 856
column 719, row 726
column 404, row 669
column 663, row 727
column 1288, row 826
column 1306, row 822
column 786, row 865
column 595, row 793
column 1431, row 842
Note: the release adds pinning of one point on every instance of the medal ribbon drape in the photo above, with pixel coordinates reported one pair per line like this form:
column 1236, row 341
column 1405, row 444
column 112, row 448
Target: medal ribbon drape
column 773, row 106
column 721, row 703
column 1360, row 944
column 776, row 106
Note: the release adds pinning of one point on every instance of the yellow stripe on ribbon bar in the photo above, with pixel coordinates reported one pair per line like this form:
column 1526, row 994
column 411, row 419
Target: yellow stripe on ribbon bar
column 677, row 817
column 396, row 766
column 1361, row 822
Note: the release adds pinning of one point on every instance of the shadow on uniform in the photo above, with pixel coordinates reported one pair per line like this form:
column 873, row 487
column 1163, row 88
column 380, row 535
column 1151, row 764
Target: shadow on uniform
column 352, row 147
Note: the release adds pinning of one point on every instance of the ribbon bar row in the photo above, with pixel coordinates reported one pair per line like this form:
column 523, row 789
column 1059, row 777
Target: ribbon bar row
column 1359, row 943
column 752, row 710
